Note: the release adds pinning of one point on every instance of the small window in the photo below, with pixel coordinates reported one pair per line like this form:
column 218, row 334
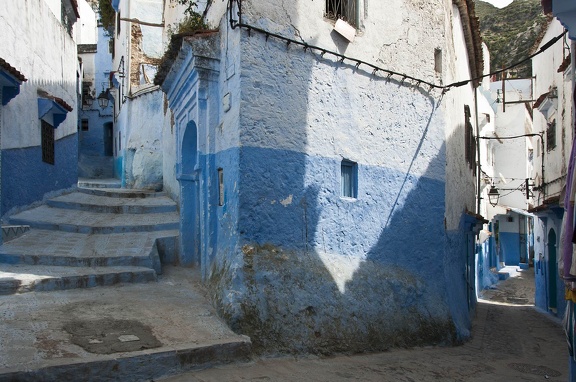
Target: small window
column 349, row 179
column 346, row 10
column 84, row 125
column 47, row 142
column 551, row 136
column 438, row 60
column 220, row 187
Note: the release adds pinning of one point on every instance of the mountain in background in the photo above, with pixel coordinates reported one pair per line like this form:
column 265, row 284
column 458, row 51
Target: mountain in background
column 511, row 33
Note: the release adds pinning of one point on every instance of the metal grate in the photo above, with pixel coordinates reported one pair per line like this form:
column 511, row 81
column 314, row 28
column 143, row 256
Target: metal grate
column 342, row 9
column 47, row 142
column 551, row 136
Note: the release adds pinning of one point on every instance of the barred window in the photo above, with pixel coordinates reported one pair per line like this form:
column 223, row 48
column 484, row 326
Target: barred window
column 551, row 136
column 47, row 142
column 346, row 10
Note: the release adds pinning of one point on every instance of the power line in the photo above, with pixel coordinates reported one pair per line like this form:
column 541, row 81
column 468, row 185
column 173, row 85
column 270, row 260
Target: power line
column 416, row 82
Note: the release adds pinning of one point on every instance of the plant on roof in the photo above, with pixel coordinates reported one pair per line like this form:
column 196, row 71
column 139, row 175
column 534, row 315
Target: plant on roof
column 107, row 15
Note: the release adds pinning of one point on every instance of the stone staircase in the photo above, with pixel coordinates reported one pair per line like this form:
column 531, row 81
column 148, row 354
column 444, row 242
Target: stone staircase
column 91, row 237
column 132, row 330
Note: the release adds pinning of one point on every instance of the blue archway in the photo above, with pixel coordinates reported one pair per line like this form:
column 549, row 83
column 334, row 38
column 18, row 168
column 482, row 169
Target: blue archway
column 552, row 275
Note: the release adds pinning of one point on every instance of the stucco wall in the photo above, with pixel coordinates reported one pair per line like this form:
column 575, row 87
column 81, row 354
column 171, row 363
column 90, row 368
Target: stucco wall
column 545, row 267
column 143, row 150
column 544, row 68
column 37, row 45
column 139, row 110
column 317, row 272
column 459, row 261
column 25, row 183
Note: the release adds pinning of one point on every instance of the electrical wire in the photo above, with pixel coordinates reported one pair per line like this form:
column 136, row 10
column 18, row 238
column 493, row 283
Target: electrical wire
column 375, row 69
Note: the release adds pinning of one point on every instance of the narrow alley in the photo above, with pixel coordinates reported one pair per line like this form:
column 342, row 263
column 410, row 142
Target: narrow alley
column 511, row 341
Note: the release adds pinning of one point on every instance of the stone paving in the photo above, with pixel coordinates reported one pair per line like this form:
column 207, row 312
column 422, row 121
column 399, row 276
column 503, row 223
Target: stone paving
column 36, row 346
column 511, row 341
column 71, row 324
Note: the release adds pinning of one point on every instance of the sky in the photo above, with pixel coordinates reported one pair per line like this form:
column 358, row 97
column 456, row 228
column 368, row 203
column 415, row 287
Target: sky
column 499, row 3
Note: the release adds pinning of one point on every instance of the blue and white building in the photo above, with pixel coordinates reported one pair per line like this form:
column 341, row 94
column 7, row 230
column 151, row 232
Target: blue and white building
column 137, row 103
column 330, row 206
column 38, row 126
column 553, row 118
column 95, row 118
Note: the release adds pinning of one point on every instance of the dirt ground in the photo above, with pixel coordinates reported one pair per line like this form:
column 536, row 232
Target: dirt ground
column 512, row 341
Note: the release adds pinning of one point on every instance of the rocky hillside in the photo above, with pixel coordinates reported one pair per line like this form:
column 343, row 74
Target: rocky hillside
column 511, row 32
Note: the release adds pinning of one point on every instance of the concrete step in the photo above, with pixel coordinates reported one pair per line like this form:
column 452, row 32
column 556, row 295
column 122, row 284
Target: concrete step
column 49, row 218
column 11, row 232
column 96, row 203
column 44, row 247
column 22, row 278
column 121, row 193
column 100, row 183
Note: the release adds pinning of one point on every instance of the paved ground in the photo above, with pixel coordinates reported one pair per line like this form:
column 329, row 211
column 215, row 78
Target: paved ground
column 89, row 334
column 511, row 342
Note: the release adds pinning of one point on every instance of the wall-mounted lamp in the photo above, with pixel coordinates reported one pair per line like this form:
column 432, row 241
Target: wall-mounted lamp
column 104, row 98
column 493, row 196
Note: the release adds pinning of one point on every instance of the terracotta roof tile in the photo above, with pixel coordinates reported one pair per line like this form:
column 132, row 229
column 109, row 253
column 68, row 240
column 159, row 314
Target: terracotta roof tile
column 62, row 103
column 565, row 64
column 75, row 7
column 540, row 100
column 7, row 67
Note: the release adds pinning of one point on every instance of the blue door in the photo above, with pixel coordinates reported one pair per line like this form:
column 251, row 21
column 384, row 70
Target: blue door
column 552, row 273
column 189, row 212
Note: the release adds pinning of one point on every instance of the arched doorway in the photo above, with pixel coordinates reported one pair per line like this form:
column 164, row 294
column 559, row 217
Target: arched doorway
column 189, row 213
column 552, row 273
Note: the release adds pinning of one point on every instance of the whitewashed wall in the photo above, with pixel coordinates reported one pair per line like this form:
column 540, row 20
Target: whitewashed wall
column 36, row 44
column 544, row 68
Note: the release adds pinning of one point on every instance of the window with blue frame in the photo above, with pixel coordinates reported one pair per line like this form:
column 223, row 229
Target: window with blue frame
column 349, row 179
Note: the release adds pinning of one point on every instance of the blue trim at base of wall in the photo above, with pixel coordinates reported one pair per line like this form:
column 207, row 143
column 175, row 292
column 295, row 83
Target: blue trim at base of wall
column 26, row 179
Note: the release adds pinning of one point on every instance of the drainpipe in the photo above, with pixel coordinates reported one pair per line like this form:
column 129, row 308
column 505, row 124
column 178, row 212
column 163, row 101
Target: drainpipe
column 1, row 162
column 479, row 165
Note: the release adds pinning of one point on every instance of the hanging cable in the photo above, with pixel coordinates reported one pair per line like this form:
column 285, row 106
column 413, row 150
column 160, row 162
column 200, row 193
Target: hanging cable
column 237, row 23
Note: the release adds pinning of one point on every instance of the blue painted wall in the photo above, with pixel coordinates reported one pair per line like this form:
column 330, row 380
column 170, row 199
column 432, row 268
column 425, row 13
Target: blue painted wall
column 26, row 178
column 509, row 248
column 292, row 263
column 399, row 287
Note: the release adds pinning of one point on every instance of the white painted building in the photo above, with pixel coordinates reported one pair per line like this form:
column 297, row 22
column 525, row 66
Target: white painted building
column 39, row 142
column 553, row 118
column 137, row 102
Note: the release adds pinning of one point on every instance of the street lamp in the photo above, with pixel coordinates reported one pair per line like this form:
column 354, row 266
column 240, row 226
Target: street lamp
column 88, row 100
column 493, row 196
column 103, row 99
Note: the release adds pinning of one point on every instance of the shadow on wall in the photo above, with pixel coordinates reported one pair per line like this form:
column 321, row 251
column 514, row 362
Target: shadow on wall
column 322, row 273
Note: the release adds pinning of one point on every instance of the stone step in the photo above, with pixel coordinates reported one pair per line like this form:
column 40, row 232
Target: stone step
column 11, row 232
column 22, row 278
column 44, row 247
column 121, row 193
column 41, row 341
column 96, row 203
column 49, row 218
column 100, row 183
